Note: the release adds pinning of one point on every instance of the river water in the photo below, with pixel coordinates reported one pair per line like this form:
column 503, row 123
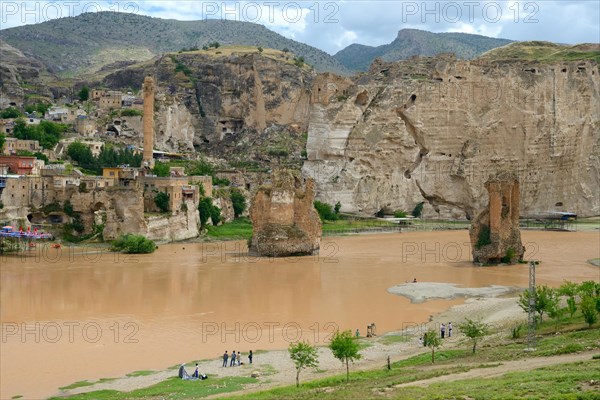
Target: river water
column 71, row 315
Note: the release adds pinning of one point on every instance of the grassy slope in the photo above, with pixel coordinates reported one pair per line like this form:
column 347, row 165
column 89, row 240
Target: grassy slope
column 544, row 52
column 89, row 41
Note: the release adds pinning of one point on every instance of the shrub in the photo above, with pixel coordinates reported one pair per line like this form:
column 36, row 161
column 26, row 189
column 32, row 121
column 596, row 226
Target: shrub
column 84, row 93
column 68, row 208
column 260, row 49
column 510, row 255
column 484, row 237
column 516, row 331
column 325, row 211
column 418, row 210
column 130, row 112
column 10, row 112
column 162, row 201
column 588, row 309
column 207, row 209
column 337, row 207
column 41, row 156
column 133, row 244
column 399, row 214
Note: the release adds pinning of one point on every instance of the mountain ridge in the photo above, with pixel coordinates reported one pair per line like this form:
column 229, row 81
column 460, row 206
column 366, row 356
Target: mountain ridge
column 87, row 42
column 411, row 42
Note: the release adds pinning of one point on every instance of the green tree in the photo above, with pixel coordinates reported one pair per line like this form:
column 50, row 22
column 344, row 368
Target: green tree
column 569, row 289
column 215, row 215
column 10, row 112
column 260, row 49
column 399, row 214
column 474, row 330
column 588, row 309
column 337, row 207
column 41, row 156
column 418, row 210
column 587, row 289
column 162, row 169
column 431, row 340
column 344, row 347
column 2, row 141
column 162, row 201
column 325, row 211
column 543, row 300
column 304, row 356
column 82, row 154
column 84, row 93
column 239, row 201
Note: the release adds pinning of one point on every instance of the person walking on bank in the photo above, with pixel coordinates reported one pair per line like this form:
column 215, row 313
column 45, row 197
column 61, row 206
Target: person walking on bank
column 239, row 358
column 225, row 357
column 232, row 364
column 450, row 329
column 443, row 330
column 250, row 357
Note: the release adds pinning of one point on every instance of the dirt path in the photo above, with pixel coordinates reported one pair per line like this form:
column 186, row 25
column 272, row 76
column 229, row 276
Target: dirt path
column 505, row 367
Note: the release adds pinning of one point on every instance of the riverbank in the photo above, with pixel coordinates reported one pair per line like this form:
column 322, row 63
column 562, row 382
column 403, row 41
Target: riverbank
column 165, row 301
column 496, row 357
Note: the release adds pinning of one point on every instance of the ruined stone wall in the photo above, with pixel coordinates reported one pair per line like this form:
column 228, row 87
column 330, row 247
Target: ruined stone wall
column 433, row 130
column 284, row 220
column 184, row 224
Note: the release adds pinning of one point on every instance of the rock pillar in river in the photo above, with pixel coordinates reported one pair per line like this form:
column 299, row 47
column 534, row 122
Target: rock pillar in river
column 284, row 219
column 495, row 234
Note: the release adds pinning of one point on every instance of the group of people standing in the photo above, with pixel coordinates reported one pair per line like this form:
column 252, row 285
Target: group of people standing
column 236, row 359
column 443, row 329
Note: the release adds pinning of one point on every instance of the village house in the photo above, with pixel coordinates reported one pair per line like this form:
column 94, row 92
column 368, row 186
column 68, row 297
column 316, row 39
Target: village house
column 19, row 165
column 13, row 145
column 111, row 99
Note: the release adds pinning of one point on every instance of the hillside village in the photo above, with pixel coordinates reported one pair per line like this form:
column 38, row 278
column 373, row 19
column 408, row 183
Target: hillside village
column 84, row 177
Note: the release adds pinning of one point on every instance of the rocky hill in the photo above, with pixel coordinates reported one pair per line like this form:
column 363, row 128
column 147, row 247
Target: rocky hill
column 233, row 103
column 433, row 129
column 86, row 43
column 414, row 42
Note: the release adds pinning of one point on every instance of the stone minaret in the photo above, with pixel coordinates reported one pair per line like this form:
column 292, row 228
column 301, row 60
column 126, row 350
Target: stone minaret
column 148, row 89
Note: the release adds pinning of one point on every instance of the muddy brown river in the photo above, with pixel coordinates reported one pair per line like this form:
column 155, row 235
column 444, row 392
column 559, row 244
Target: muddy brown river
column 79, row 315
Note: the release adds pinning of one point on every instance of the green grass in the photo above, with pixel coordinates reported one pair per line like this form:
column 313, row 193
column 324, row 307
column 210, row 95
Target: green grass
column 141, row 373
column 173, row 388
column 86, row 383
column 391, row 339
column 240, row 228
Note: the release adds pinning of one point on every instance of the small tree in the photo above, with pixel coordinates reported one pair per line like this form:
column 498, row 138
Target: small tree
column 260, row 49
column 543, row 300
column 418, row 210
column 84, row 93
column 337, row 207
column 162, row 201
column 569, row 289
column 239, row 202
column 304, row 356
column 431, row 340
column 2, row 141
column 162, row 169
column 344, row 347
column 588, row 309
column 474, row 330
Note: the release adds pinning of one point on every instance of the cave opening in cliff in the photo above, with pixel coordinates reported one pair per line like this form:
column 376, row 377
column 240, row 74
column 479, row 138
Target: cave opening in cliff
column 413, row 98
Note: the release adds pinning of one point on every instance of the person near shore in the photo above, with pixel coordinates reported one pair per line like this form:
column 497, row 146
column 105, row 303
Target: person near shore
column 250, row 357
column 225, row 357
column 196, row 372
column 239, row 358
column 357, row 333
column 421, row 341
column 415, row 280
column 232, row 363
column 450, row 329
column 443, row 330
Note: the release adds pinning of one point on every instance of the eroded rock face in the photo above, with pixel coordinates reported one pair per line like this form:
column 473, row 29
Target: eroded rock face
column 16, row 68
column 434, row 129
column 284, row 219
column 495, row 235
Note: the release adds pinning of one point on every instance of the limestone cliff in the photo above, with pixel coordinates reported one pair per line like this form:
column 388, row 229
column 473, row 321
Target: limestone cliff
column 434, row 129
column 235, row 106
column 284, row 220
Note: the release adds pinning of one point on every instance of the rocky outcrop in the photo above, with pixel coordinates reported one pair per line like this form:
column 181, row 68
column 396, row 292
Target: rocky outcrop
column 15, row 69
column 434, row 129
column 284, row 220
column 184, row 224
column 495, row 235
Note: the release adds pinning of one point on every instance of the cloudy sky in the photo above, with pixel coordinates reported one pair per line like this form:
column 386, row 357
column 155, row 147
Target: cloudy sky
column 333, row 25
